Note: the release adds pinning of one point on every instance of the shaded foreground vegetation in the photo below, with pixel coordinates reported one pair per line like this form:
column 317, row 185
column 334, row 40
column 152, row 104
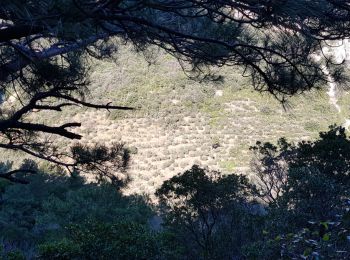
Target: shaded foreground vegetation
column 296, row 207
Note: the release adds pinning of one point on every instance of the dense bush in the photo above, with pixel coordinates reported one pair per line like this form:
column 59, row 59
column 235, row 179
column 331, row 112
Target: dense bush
column 209, row 214
column 39, row 211
column 306, row 181
column 307, row 189
column 97, row 240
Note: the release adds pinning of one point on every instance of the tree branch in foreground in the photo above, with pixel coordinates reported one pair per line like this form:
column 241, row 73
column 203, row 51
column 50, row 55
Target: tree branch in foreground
column 10, row 176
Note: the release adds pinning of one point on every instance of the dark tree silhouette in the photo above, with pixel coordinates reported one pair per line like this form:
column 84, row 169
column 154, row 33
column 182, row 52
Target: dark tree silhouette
column 205, row 205
column 309, row 180
column 45, row 47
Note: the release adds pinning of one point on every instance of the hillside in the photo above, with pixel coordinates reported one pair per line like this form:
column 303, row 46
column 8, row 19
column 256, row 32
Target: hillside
column 180, row 122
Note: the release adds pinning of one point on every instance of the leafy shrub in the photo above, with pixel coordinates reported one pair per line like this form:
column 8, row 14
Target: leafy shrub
column 312, row 126
column 96, row 240
column 37, row 212
column 207, row 212
column 64, row 249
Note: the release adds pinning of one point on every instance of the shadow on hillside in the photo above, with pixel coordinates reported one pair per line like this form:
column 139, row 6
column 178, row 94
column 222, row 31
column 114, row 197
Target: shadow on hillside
column 33, row 213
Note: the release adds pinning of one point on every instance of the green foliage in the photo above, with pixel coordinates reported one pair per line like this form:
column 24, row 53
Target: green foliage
column 3, row 185
column 63, row 249
column 330, row 154
column 11, row 254
column 309, row 217
column 4, row 167
column 103, row 161
column 96, row 240
column 317, row 240
column 204, row 214
column 195, row 191
column 318, row 179
column 207, row 212
column 309, row 180
column 15, row 255
column 38, row 212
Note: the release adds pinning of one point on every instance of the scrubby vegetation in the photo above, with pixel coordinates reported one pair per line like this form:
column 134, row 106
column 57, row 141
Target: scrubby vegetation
column 297, row 207
column 179, row 121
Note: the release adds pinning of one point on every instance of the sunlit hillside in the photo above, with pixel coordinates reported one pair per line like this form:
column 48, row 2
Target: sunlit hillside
column 179, row 122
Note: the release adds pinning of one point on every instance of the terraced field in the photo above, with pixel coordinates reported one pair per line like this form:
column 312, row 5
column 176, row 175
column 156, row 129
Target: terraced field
column 180, row 122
